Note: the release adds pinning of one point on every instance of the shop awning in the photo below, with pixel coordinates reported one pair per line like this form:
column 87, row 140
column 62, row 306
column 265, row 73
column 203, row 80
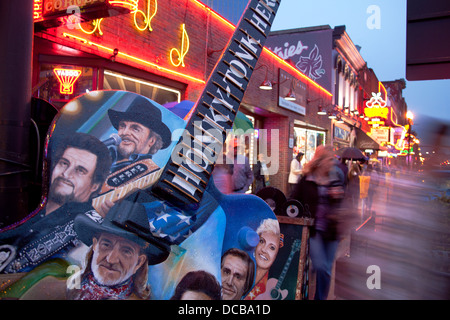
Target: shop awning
column 363, row 141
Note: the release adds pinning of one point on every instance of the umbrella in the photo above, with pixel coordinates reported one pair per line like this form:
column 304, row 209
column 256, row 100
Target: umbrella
column 182, row 109
column 351, row 153
column 242, row 122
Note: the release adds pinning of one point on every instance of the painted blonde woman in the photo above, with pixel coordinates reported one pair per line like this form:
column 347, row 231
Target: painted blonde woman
column 265, row 254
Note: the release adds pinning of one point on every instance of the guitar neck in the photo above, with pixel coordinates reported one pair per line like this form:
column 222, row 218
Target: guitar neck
column 121, row 192
column 187, row 173
column 294, row 249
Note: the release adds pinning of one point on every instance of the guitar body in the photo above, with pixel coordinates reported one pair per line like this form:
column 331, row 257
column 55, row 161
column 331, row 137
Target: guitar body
column 220, row 219
column 90, row 119
column 231, row 225
column 171, row 204
column 244, row 213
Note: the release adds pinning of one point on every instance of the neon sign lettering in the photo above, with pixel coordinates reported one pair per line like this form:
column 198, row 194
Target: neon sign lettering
column 66, row 78
column 51, row 6
column 184, row 48
column 376, row 112
column 133, row 58
column 378, row 122
column 96, row 24
column 147, row 17
column 289, row 50
column 128, row 4
column 37, row 9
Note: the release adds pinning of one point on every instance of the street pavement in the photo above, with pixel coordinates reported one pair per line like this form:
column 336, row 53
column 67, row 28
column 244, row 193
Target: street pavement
column 399, row 251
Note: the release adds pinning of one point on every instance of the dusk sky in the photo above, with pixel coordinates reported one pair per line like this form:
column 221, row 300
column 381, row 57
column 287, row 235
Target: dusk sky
column 383, row 43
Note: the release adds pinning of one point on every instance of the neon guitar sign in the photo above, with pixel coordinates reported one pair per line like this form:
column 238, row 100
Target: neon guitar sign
column 376, row 107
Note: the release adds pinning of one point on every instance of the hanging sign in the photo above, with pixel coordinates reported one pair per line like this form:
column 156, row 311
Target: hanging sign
column 376, row 107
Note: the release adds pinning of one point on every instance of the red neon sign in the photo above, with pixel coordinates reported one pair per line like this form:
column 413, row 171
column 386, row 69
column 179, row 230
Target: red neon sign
column 66, row 78
column 37, row 10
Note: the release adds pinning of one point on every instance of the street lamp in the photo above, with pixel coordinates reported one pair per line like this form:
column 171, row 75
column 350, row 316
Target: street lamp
column 410, row 118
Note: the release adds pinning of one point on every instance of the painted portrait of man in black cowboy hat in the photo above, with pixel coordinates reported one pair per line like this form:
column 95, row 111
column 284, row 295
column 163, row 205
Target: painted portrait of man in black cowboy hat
column 121, row 249
column 142, row 134
column 141, row 130
column 79, row 163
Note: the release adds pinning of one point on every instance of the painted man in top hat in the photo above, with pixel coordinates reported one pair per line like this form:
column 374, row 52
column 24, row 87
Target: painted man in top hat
column 122, row 247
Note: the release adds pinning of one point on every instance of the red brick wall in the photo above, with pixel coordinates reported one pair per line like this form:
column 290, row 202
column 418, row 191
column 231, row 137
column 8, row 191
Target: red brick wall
column 205, row 33
column 280, row 125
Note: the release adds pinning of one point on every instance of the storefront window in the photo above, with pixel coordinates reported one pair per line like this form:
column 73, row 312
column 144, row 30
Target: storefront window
column 153, row 91
column 61, row 83
column 341, row 136
column 306, row 141
column 59, row 87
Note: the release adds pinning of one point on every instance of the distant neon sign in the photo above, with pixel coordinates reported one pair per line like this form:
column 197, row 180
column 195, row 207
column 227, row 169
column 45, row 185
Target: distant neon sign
column 66, row 78
column 376, row 107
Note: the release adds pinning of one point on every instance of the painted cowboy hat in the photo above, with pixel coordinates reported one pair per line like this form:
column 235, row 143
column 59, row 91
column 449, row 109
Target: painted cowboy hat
column 145, row 112
column 127, row 220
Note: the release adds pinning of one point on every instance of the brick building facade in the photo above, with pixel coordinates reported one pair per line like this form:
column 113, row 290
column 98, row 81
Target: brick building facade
column 166, row 51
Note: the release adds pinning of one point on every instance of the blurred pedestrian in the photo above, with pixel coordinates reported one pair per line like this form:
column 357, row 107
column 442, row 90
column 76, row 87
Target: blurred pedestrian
column 354, row 188
column 295, row 172
column 374, row 172
column 344, row 168
column 321, row 191
column 222, row 174
column 242, row 176
column 260, row 173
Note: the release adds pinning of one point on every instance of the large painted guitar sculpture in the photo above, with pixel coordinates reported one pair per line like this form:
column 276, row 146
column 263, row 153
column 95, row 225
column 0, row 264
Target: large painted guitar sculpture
column 189, row 222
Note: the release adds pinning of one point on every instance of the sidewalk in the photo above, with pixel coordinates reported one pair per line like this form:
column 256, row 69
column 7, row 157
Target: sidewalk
column 399, row 243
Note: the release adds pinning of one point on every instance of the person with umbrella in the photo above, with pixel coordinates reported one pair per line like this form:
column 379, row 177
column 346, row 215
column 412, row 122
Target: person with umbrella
column 351, row 153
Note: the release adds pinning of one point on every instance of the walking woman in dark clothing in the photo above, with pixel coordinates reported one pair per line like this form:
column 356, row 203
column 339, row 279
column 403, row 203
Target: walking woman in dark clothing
column 321, row 191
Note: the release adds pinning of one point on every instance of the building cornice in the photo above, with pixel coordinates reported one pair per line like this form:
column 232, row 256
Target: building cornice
column 346, row 46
